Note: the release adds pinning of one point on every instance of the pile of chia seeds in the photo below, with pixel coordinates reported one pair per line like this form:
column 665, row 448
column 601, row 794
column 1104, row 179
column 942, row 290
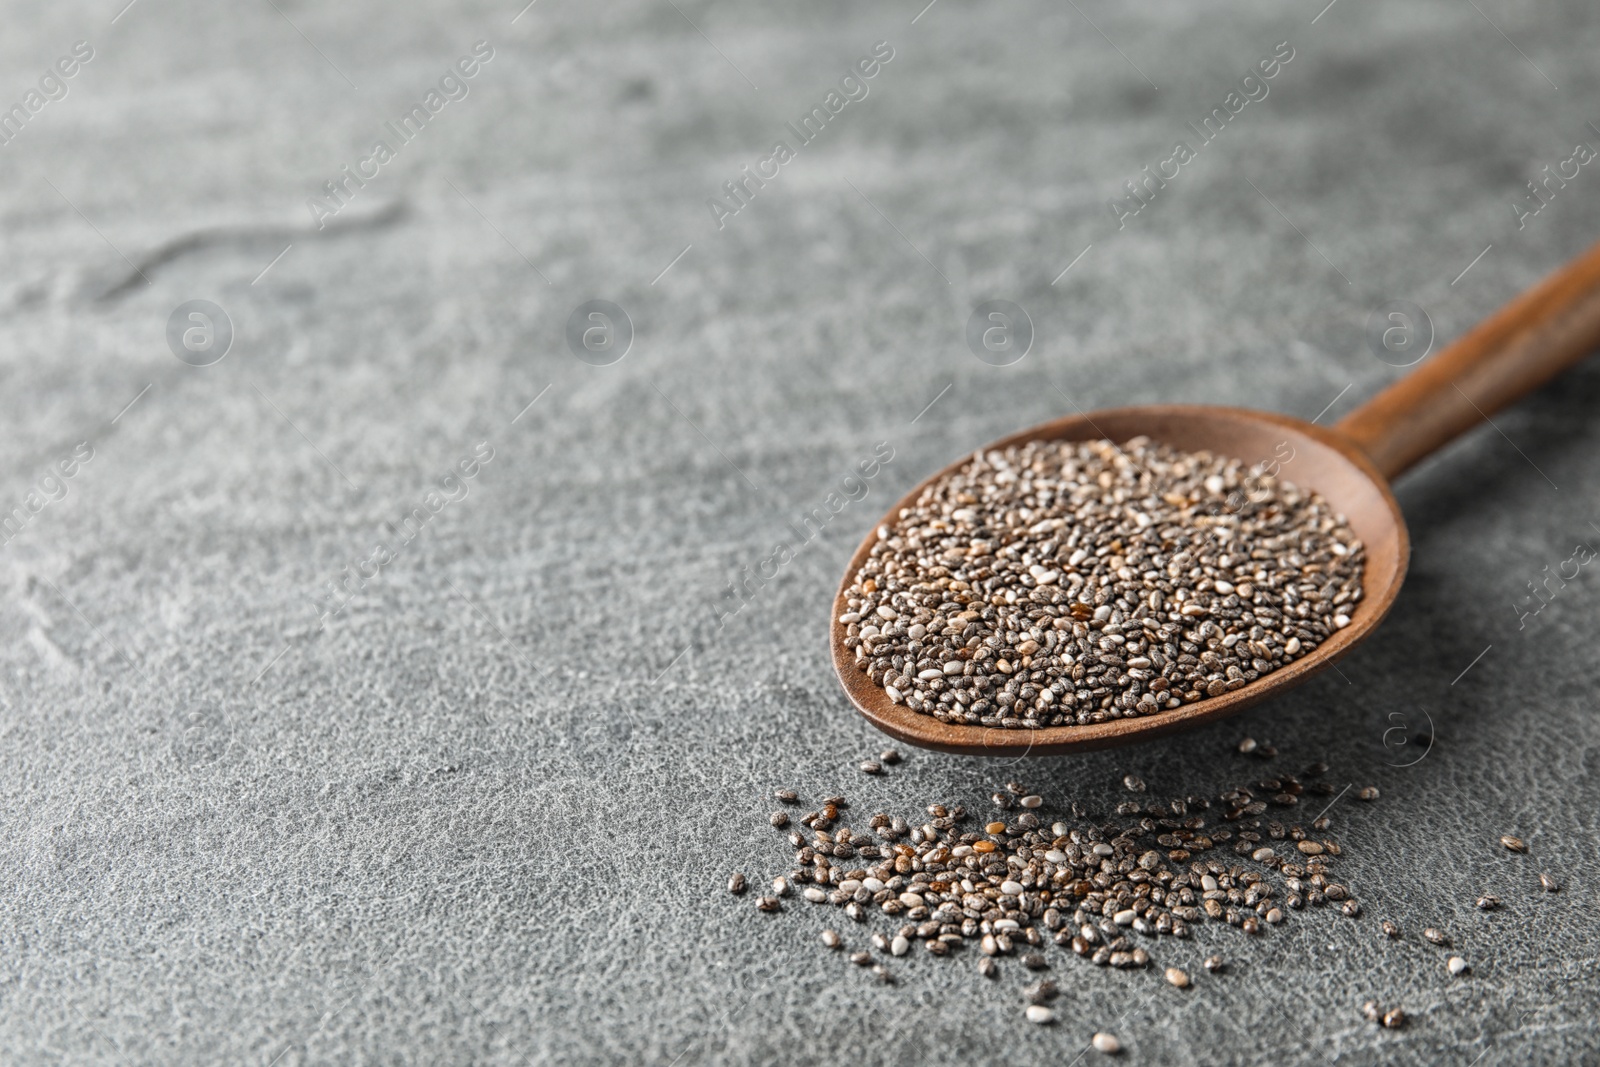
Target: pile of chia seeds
column 1075, row 582
column 1108, row 890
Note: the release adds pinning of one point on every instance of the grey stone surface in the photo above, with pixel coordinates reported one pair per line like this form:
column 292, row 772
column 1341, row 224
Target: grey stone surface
column 485, row 813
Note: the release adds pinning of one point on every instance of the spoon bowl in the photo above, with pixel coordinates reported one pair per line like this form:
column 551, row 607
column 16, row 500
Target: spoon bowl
column 1322, row 460
column 1529, row 341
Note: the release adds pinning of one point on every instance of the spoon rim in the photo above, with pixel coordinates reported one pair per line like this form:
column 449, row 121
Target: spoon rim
column 925, row 731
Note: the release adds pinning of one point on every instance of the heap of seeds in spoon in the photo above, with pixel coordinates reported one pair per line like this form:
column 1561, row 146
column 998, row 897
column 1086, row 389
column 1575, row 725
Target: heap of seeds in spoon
column 1074, row 582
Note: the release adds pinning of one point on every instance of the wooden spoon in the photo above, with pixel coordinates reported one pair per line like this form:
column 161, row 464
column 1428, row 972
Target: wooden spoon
column 1519, row 348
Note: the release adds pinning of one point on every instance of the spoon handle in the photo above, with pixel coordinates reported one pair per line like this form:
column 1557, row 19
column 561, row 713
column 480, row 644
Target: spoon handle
column 1517, row 349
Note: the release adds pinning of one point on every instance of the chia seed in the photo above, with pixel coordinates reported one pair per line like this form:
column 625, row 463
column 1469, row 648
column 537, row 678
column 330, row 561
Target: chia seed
column 1069, row 583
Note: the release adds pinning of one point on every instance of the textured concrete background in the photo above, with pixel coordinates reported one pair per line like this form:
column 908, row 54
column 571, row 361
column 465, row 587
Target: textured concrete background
column 485, row 813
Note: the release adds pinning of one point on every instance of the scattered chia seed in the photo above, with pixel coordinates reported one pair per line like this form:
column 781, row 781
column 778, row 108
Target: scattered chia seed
column 1436, row 936
column 1513, row 844
column 1008, row 885
column 736, row 884
column 1390, row 929
column 1106, row 1043
column 871, row 767
column 779, row 819
column 1064, row 583
column 1394, row 1019
column 1488, row 903
column 1369, row 793
column 1549, row 883
column 889, row 757
column 1041, row 992
column 1456, row 965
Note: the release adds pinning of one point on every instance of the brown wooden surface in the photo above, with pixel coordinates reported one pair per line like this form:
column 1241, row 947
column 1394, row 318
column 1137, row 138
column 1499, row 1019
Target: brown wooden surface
column 1514, row 351
column 1324, row 460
